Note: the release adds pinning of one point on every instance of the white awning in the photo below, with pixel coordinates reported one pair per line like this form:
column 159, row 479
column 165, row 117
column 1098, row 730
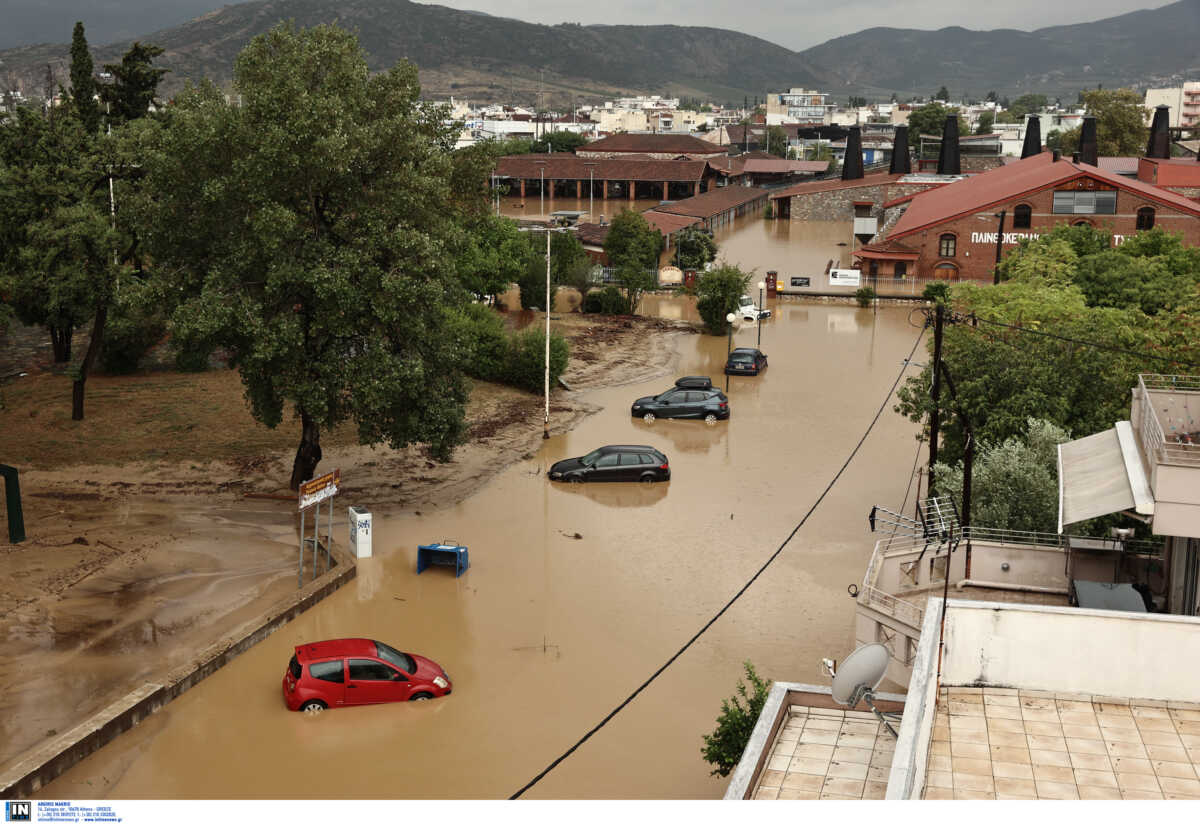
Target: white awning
column 1101, row 474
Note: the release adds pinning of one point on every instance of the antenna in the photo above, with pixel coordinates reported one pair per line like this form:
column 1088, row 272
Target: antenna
column 858, row 677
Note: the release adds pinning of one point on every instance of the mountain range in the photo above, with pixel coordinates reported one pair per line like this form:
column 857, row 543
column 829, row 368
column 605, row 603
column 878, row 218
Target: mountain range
column 485, row 58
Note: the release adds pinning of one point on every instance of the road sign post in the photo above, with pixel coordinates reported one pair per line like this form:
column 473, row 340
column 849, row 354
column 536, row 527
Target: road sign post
column 311, row 495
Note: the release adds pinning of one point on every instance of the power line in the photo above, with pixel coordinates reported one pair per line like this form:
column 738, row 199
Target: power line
column 1090, row 343
column 736, row 595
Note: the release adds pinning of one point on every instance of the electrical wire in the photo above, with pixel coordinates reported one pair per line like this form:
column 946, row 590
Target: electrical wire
column 737, row 595
column 1090, row 343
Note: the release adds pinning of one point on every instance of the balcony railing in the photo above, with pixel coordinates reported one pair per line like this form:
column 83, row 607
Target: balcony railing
column 902, row 611
column 1180, row 447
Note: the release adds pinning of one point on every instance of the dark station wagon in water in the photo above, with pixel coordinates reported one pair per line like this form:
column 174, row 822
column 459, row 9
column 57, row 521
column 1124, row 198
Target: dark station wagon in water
column 350, row 671
column 614, row 463
column 683, row 401
column 745, row 361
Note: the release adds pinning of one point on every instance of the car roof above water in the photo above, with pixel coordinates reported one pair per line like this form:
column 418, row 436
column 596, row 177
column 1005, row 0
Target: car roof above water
column 336, row 648
column 628, row 448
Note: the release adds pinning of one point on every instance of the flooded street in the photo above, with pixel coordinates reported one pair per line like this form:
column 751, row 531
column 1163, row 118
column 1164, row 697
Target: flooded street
column 547, row 632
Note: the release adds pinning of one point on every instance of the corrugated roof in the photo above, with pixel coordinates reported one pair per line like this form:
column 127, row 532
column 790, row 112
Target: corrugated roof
column 777, row 165
column 652, row 144
column 1005, row 183
column 1119, row 165
column 714, row 201
column 667, row 223
column 564, row 166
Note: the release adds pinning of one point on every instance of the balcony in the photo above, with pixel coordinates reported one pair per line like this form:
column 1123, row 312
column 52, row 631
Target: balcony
column 1166, row 417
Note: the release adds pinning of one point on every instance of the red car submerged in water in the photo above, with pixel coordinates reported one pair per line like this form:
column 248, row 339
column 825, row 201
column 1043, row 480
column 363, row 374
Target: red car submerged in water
column 350, row 671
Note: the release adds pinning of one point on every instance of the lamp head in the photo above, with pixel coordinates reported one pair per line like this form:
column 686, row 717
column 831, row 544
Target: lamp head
column 731, row 317
column 762, row 284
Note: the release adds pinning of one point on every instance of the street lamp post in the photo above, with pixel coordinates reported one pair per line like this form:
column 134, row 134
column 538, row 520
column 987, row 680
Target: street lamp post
column 591, row 189
column 729, row 321
column 761, row 286
column 546, row 373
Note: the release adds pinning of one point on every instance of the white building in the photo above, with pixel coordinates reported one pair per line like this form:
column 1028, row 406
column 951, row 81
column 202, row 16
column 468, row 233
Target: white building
column 1184, row 102
column 798, row 106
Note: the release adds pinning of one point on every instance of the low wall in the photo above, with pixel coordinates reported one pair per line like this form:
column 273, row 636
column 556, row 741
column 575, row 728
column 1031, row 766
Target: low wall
column 54, row 757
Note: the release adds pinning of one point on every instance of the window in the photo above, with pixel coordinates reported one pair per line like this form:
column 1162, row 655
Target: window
column 608, row 460
column 631, row 459
column 295, row 669
column 1145, row 218
column 900, row 270
column 873, row 268
column 364, row 670
column 1085, row 203
column 396, row 658
column 328, row 671
column 947, row 245
column 647, row 459
column 1022, row 217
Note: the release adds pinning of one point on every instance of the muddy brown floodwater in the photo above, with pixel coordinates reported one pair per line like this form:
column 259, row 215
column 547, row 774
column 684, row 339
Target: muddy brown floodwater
column 547, row 632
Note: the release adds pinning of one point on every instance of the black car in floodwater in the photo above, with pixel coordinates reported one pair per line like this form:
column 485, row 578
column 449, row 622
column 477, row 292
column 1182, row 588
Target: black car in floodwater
column 707, row 404
column 614, row 463
column 745, row 361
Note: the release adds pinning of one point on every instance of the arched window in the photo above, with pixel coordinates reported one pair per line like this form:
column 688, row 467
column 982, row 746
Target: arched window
column 1145, row 218
column 1022, row 217
column 1081, row 223
column 947, row 244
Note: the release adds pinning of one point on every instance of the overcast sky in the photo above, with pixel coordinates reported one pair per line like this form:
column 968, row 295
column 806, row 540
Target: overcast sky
column 796, row 24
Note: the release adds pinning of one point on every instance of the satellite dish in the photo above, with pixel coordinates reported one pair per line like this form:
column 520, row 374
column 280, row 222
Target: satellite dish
column 860, row 673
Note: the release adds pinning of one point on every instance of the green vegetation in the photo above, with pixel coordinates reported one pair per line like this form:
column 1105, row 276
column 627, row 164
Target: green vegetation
column 986, row 119
column 134, row 85
column 694, row 248
column 739, row 713
column 606, row 301
column 864, row 295
column 1014, row 483
column 327, row 266
column 930, row 119
column 558, row 142
column 633, row 247
column 1120, row 123
column 777, row 141
column 490, row 353
column 719, row 290
column 1026, row 104
column 942, row 94
column 83, row 83
column 937, row 291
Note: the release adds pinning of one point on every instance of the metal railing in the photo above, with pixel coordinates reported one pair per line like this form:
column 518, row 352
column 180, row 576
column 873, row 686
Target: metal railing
column 1182, row 447
column 904, row 612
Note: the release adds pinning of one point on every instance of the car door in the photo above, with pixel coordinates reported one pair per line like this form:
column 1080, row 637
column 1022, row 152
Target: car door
column 374, row 682
column 631, row 466
column 670, row 404
column 606, row 468
column 332, row 678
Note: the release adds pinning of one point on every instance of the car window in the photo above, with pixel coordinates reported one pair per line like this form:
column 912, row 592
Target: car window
column 328, row 671
column 608, row 460
column 697, row 397
column 294, row 668
column 364, row 670
column 741, row 356
column 631, row 459
column 672, row 397
column 590, row 458
column 395, row 657
column 647, row 459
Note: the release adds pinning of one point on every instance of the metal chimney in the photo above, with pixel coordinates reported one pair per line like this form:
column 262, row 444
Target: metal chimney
column 901, row 162
column 1033, row 137
column 1160, row 138
column 852, row 163
column 1089, row 148
column 948, row 158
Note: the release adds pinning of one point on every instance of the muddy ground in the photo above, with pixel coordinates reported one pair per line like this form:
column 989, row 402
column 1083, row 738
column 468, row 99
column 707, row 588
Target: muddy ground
column 141, row 553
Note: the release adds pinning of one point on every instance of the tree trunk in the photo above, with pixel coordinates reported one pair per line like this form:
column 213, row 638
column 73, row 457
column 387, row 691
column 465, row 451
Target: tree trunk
column 89, row 358
column 60, row 340
column 308, row 454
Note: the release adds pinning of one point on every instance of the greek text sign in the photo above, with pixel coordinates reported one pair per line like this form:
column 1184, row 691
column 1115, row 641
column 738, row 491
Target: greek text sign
column 319, row 489
column 1010, row 238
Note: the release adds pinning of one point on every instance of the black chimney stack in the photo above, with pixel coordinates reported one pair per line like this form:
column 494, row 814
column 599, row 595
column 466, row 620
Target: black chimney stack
column 1160, row 138
column 901, row 162
column 852, row 163
column 1089, row 147
column 948, row 159
column 1033, row 137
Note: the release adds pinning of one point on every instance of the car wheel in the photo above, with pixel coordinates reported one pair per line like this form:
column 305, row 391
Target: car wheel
column 647, row 479
column 312, row 707
column 711, row 417
column 575, row 479
column 421, row 696
column 649, row 417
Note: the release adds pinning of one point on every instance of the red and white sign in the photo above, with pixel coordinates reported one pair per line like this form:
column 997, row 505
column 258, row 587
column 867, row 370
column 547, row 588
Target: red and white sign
column 319, row 489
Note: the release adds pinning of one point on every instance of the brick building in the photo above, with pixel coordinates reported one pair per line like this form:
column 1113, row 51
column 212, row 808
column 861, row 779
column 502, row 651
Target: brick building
column 950, row 232
column 651, row 146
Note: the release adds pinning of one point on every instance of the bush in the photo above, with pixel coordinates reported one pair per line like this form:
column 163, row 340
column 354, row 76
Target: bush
column 606, row 301
column 736, row 722
column 192, row 360
column 864, row 295
column 132, row 330
column 482, row 341
column 937, row 292
column 719, row 290
column 526, row 359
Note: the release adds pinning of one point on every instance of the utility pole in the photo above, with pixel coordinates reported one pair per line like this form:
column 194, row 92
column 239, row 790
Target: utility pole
column 999, row 241
column 935, row 415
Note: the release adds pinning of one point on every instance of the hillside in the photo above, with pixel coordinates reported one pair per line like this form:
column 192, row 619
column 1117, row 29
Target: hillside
column 481, row 58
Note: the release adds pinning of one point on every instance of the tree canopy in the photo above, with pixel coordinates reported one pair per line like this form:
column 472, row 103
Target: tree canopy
column 931, row 118
column 134, row 84
column 83, row 84
column 719, row 290
column 314, row 233
column 1120, row 123
column 558, row 142
column 694, row 248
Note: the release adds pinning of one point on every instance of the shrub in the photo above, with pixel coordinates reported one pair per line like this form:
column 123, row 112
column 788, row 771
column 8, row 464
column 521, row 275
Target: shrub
column 132, row 330
column 525, row 368
column 739, row 714
column 864, row 295
column 937, row 292
column 719, row 290
column 606, row 301
column 482, row 341
column 192, row 360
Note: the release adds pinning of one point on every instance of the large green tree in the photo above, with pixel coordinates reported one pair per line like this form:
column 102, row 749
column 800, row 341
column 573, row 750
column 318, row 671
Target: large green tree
column 931, row 118
column 83, row 83
column 694, row 248
column 1120, row 123
column 134, row 83
column 631, row 241
column 313, row 232
column 777, row 141
column 719, row 290
column 558, row 142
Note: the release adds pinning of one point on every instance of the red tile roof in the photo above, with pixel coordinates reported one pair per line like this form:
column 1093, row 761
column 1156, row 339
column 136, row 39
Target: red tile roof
column 814, row 186
column 714, row 201
column 594, row 234
column 653, row 144
column 777, row 165
column 566, row 166
column 1006, row 183
column 887, row 249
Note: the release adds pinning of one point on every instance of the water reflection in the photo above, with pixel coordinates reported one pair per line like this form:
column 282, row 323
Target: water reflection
column 686, row 436
column 618, row 495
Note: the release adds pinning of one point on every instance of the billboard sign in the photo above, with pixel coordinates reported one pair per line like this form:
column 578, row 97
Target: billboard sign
column 319, row 489
column 845, row 277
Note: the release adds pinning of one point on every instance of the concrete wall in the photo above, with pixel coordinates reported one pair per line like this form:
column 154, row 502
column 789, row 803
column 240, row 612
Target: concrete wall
column 1065, row 649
